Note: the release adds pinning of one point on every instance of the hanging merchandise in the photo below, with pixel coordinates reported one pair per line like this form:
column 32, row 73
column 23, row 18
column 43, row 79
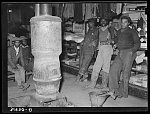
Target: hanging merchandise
column 95, row 6
column 105, row 10
column 118, row 9
column 78, row 16
column 83, row 10
column 56, row 9
column 66, row 13
column 113, row 7
column 110, row 14
column 61, row 8
column 100, row 7
column 92, row 10
column 69, row 10
column 140, row 23
column 88, row 13
column 144, row 17
column 97, row 11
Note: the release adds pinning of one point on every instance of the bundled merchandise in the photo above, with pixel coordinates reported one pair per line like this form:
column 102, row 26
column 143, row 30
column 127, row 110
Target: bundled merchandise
column 140, row 80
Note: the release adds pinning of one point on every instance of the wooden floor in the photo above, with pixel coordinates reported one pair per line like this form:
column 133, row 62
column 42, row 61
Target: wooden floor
column 134, row 90
column 77, row 94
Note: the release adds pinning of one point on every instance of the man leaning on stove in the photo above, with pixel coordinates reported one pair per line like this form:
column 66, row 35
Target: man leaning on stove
column 16, row 63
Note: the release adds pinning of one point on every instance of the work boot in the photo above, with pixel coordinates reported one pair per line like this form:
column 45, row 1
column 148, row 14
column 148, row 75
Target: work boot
column 93, row 81
column 85, row 76
column 79, row 76
column 91, row 84
column 20, row 86
column 25, row 86
column 104, row 83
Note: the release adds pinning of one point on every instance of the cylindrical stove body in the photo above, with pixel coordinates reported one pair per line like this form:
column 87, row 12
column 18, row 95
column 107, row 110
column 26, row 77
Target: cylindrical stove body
column 46, row 45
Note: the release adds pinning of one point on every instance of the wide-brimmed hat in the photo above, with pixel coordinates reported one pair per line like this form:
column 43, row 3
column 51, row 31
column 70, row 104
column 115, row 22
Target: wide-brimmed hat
column 23, row 37
column 16, row 39
column 116, row 20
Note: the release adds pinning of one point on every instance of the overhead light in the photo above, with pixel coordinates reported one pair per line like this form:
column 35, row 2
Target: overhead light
column 31, row 7
column 9, row 10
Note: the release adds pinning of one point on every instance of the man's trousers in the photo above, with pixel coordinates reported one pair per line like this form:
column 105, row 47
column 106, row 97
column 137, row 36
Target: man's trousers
column 121, row 67
column 19, row 74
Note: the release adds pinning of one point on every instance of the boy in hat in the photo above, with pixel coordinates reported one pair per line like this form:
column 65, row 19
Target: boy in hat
column 88, row 47
column 27, row 56
column 16, row 63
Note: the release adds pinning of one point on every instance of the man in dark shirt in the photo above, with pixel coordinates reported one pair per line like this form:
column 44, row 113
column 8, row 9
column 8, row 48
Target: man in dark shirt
column 27, row 55
column 128, row 43
column 87, row 49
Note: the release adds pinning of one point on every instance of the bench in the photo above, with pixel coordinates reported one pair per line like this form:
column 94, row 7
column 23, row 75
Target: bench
column 11, row 75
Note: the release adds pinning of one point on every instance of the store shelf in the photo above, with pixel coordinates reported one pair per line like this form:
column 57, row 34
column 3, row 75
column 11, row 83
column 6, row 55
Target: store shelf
column 142, row 49
column 138, row 91
column 139, row 71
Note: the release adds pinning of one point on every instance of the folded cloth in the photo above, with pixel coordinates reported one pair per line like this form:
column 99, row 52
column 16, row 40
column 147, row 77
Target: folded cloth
column 98, row 99
column 75, row 37
column 139, row 59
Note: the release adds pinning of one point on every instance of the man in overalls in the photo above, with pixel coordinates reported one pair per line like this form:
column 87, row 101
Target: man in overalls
column 87, row 49
column 102, row 63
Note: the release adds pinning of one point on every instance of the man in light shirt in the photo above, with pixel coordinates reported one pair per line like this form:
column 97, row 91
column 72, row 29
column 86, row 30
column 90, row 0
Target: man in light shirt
column 16, row 63
column 102, row 63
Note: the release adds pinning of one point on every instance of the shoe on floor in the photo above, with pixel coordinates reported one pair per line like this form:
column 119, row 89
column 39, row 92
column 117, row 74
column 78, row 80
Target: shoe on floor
column 112, row 95
column 118, row 94
column 79, row 76
column 84, row 77
column 102, row 88
column 99, row 86
column 26, row 86
column 90, row 85
column 20, row 86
